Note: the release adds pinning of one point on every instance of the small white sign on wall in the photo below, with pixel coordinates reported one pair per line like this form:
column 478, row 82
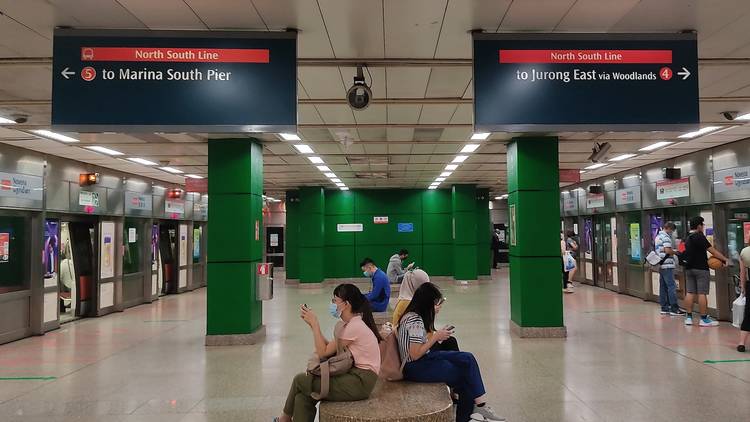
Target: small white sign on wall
column 349, row 227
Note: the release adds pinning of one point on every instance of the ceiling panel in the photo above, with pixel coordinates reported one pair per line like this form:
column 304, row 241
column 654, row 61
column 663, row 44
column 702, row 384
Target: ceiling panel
column 407, row 82
column 448, row 81
column 39, row 15
column 403, row 113
column 412, row 27
column 400, row 134
column 595, row 15
column 355, row 27
column 336, row 114
column 164, row 14
column 227, row 14
column 464, row 115
column 321, row 82
column 659, row 16
column 436, row 113
column 22, row 41
column 308, row 114
column 95, row 13
column 461, row 17
column 375, row 77
column 375, row 113
column 535, row 15
column 301, row 14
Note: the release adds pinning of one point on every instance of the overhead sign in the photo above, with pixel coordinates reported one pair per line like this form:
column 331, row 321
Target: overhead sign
column 570, row 175
column 668, row 189
column 570, row 203
column 380, row 220
column 594, row 200
column 405, row 227
column 731, row 180
column 196, row 185
column 88, row 199
column 21, row 186
column 556, row 82
column 349, row 227
column 174, row 81
column 626, row 196
column 137, row 201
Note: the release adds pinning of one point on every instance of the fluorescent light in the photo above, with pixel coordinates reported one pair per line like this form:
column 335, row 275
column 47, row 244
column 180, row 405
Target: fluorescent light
column 595, row 166
column 655, row 146
column 481, row 136
column 4, row 121
column 498, row 198
column 699, row 132
column 460, row 158
column 330, row 175
column 451, row 167
column 324, row 168
column 55, row 136
column 290, row 136
column 142, row 161
column 504, row 196
column 582, row 171
column 336, row 180
column 445, row 174
column 565, row 192
column 470, row 147
column 340, row 185
column 171, row 170
column 344, row 188
column 632, row 176
column 432, row 187
column 104, row 150
column 303, row 148
column 194, row 176
column 315, row 160
column 440, row 179
column 743, row 117
column 622, row 157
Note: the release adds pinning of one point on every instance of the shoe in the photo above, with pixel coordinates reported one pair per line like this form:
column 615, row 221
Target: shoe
column 709, row 322
column 741, row 348
column 678, row 312
column 688, row 320
column 485, row 414
column 568, row 290
column 664, row 312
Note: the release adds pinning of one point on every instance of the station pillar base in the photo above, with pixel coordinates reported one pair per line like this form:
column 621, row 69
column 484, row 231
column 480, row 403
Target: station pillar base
column 237, row 339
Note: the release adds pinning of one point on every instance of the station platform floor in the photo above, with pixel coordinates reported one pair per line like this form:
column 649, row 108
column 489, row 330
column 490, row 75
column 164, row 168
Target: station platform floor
column 622, row 361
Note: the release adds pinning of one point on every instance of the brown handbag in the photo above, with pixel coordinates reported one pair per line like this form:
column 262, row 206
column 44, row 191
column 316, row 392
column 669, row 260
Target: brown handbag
column 338, row 364
column 391, row 367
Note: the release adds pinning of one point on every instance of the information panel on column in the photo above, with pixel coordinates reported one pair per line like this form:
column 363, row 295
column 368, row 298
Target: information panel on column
column 174, row 81
column 585, row 82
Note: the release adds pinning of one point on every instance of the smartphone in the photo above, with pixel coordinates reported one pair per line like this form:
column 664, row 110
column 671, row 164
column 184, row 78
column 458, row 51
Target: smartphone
column 450, row 328
column 442, row 300
column 304, row 305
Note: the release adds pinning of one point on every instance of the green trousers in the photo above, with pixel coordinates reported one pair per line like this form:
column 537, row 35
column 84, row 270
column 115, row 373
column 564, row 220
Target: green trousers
column 357, row 384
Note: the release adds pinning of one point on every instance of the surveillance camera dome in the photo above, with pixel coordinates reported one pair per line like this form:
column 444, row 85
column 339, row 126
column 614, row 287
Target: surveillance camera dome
column 359, row 95
column 729, row 115
column 20, row 119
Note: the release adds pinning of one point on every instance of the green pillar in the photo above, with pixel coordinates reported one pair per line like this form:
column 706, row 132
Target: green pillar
column 535, row 266
column 312, row 235
column 484, row 233
column 235, row 241
column 464, row 232
column 291, row 249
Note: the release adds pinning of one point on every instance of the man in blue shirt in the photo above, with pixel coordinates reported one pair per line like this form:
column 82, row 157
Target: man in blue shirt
column 381, row 288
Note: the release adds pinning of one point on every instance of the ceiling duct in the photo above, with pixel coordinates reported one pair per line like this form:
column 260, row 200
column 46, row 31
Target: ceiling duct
column 367, row 160
column 372, row 175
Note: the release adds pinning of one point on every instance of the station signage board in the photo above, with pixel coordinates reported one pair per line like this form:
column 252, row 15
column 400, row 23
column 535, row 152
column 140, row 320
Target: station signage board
column 626, row 196
column 670, row 189
column 174, row 207
column 137, row 201
column 570, row 203
column 13, row 185
column 349, row 227
column 380, row 220
column 585, row 82
column 174, row 81
column 88, row 199
column 731, row 180
column 594, row 200
column 405, row 227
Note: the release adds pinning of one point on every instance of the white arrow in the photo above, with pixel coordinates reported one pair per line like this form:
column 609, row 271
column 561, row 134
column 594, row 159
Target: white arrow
column 685, row 73
column 67, row 73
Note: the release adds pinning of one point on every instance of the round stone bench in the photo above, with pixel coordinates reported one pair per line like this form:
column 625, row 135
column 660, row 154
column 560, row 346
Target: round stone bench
column 394, row 401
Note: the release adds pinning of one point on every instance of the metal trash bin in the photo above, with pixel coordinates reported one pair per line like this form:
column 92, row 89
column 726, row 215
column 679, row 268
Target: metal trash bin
column 264, row 283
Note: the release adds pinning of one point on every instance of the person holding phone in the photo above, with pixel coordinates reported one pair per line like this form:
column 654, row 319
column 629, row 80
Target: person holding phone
column 459, row 370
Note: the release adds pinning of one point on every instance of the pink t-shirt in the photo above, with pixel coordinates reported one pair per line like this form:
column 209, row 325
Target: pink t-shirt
column 364, row 346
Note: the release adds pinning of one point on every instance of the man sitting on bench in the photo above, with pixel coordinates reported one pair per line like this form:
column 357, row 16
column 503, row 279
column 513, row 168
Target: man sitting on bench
column 381, row 289
column 395, row 269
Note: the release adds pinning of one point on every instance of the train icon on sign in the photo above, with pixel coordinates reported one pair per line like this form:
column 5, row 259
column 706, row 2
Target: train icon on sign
column 87, row 53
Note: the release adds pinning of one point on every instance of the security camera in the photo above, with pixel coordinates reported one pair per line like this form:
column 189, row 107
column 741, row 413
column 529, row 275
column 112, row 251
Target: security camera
column 20, row 119
column 359, row 94
column 729, row 115
column 599, row 152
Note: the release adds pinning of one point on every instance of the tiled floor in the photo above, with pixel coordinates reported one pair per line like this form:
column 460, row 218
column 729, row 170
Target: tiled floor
column 622, row 361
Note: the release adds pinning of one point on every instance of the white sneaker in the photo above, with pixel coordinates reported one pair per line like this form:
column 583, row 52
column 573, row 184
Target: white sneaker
column 709, row 322
column 485, row 414
column 688, row 320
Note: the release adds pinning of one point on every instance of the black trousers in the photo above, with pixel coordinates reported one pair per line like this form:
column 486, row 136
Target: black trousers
column 565, row 280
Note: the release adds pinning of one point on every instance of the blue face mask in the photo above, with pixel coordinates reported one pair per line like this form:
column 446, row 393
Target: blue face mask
column 334, row 310
column 367, row 274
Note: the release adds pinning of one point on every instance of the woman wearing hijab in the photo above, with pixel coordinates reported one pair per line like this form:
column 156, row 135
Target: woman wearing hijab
column 410, row 284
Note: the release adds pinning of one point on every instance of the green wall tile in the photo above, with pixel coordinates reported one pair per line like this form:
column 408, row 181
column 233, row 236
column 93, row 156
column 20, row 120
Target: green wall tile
column 339, row 202
column 332, row 236
column 438, row 260
column 311, row 265
column 439, row 228
column 536, row 292
column 388, row 201
column 312, row 199
column 464, row 198
column 382, row 253
column 466, row 228
column 465, row 262
column 291, row 251
column 231, row 306
column 236, row 166
column 484, row 233
column 533, row 164
column 537, row 223
column 227, row 229
column 436, row 201
column 387, row 234
column 340, row 262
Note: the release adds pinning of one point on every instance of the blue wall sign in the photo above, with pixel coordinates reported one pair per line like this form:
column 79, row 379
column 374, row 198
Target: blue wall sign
column 405, row 227
column 560, row 82
column 174, row 81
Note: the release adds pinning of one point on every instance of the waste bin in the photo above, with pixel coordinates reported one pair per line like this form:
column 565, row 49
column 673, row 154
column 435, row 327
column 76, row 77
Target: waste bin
column 264, row 286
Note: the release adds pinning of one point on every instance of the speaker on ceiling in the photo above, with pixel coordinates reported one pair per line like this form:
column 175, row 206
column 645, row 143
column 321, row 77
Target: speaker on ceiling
column 672, row 173
column 595, row 189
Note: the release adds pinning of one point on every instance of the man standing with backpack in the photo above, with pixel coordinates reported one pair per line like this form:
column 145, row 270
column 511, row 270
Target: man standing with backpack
column 697, row 276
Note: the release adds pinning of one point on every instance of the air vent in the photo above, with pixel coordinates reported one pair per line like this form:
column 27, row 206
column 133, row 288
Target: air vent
column 367, row 160
column 372, row 175
column 428, row 134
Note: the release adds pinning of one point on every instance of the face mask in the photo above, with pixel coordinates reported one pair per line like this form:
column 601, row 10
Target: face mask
column 367, row 274
column 334, row 310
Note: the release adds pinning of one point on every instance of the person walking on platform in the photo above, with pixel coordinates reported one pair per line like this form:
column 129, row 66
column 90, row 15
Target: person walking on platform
column 745, row 327
column 381, row 288
column 667, row 287
column 697, row 275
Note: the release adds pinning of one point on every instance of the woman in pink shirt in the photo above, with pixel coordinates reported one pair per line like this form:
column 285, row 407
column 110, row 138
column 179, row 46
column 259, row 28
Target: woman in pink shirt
column 359, row 335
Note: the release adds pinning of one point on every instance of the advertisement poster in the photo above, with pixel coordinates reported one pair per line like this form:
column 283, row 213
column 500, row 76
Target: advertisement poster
column 655, row 224
column 588, row 237
column 107, row 250
column 512, row 225
column 595, row 200
column 88, row 199
column 197, row 244
column 174, row 207
column 628, row 196
column 154, row 247
column 570, row 203
column 51, row 252
column 635, row 242
column 183, row 244
column 613, row 236
column 132, row 235
column 668, row 189
column 746, row 230
column 4, row 247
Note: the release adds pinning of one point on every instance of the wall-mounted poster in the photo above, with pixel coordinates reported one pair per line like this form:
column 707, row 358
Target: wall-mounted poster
column 197, row 243
column 746, row 230
column 588, row 237
column 51, row 252
column 513, row 226
column 183, row 244
column 107, row 250
column 668, row 189
column 635, row 242
column 4, row 247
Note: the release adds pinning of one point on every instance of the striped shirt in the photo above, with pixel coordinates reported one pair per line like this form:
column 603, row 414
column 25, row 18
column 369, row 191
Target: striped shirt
column 664, row 240
column 410, row 330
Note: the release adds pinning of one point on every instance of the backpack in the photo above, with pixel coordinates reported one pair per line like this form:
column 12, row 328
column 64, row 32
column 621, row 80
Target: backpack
column 391, row 367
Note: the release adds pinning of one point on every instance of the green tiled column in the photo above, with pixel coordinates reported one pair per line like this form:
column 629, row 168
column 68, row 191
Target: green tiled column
column 291, row 251
column 312, row 235
column 484, row 233
column 535, row 265
column 235, row 241
column 464, row 232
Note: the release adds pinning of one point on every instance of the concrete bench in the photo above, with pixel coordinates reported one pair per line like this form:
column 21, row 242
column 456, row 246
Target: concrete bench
column 382, row 317
column 394, row 401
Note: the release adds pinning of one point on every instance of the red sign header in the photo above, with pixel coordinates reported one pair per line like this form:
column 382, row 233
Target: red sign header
column 586, row 56
column 179, row 55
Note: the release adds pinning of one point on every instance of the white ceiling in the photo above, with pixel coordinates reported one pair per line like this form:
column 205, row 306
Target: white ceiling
column 419, row 137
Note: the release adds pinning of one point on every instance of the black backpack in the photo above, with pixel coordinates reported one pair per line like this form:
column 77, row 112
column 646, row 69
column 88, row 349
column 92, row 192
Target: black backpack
column 682, row 257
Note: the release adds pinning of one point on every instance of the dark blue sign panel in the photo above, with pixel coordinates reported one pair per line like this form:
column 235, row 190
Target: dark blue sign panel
column 174, row 81
column 405, row 227
column 598, row 82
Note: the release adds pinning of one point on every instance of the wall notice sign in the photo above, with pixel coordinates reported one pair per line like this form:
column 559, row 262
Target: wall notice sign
column 264, row 269
column 512, row 209
column 21, row 186
column 174, row 206
column 171, row 80
column 558, row 82
column 570, row 203
column 628, row 196
column 745, row 230
column 88, row 199
column 668, row 189
column 405, row 227
column 349, row 227
column 183, row 244
column 137, row 201
column 594, row 200
column 380, row 220
column 132, row 235
column 107, row 247
column 741, row 216
column 4, row 247
column 274, row 239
